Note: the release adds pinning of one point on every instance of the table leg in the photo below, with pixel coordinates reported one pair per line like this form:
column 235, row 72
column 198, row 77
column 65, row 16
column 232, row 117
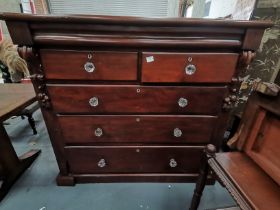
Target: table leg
column 12, row 166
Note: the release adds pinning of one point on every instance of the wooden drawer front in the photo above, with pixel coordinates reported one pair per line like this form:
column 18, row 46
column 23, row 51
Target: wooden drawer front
column 171, row 67
column 130, row 159
column 137, row 129
column 59, row 64
column 135, row 99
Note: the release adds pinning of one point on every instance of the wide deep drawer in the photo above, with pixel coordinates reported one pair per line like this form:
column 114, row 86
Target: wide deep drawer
column 188, row 67
column 137, row 129
column 135, row 99
column 83, row 65
column 132, row 159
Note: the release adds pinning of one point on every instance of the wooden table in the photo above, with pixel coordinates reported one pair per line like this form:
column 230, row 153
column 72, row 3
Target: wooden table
column 13, row 98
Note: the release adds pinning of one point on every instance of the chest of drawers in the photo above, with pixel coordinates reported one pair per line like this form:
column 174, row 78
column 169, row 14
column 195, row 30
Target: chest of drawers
column 133, row 99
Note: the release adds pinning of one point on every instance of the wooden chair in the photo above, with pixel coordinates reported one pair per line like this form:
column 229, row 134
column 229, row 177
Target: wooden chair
column 251, row 174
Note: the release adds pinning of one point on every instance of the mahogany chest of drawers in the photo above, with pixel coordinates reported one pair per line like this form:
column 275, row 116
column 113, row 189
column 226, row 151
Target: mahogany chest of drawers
column 133, row 99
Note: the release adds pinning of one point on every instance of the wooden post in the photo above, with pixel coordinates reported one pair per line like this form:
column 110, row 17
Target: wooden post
column 209, row 150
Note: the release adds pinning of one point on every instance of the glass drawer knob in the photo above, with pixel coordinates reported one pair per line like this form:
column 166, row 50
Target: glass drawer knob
column 98, row 132
column 183, row 102
column 190, row 69
column 177, row 132
column 101, row 163
column 89, row 67
column 93, row 101
column 172, row 163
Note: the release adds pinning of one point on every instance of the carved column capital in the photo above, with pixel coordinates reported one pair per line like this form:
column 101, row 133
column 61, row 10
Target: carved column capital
column 230, row 101
column 25, row 52
column 246, row 58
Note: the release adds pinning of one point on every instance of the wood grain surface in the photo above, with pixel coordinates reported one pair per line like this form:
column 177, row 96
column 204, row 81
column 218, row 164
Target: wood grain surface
column 133, row 159
column 136, row 99
column 14, row 97
column 65, row 64
column 170, row 67
column 255, row 185
column 146, row 129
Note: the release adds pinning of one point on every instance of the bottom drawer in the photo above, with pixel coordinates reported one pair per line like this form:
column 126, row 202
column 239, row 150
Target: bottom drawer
column 133, row 159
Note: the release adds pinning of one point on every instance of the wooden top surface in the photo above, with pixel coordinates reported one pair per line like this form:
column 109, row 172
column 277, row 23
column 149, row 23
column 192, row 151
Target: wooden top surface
column 14, row 97
column 254, row 183
column 133, row 33
column 126, row 20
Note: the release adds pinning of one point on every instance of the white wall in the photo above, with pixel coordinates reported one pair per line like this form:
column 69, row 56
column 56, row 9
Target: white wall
column 173, row 8
column 239, row 9
column 8, row 6
column 189, row 11
column 221, row 8
column 26, row 6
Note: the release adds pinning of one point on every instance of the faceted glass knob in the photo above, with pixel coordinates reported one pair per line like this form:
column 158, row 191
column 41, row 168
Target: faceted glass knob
column 172, row 163
column 101, row 163
column 98, row 132
column 177, row 132
column 89, row 67
column 190, row 69
column 93, row 101
column 183, row 102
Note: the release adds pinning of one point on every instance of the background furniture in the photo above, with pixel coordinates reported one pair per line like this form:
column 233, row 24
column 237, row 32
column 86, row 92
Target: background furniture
column 133, row 99
column 27, row 111
column 252, row 174
column 13, row 98
column 5, row 73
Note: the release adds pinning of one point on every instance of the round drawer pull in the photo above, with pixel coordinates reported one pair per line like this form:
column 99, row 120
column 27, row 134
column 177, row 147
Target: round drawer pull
column 182, row 102
column 177, row 132
column 190, row 69
column 172, row 163
column 98, row 132
column 89, row 67
column 93, row 101
column 101, row 163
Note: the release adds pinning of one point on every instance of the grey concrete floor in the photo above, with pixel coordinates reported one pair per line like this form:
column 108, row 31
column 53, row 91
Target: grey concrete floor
column 36, row 188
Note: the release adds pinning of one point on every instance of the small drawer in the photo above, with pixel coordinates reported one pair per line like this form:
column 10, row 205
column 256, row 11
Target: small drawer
column 188, row 67
column 135, row 99
column 137, row 129
column 86, row 65
column 133, row 159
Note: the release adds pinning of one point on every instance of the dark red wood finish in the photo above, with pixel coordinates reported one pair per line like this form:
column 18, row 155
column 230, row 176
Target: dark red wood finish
column 125, row 85
column 251, row 175
column 263, row 140
column 128, row 99
column 170, row 67
column 66, row 64
column 13, row 99
column 133, row 159
column 137, row 128
column 177, row 33
column 137, row 177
